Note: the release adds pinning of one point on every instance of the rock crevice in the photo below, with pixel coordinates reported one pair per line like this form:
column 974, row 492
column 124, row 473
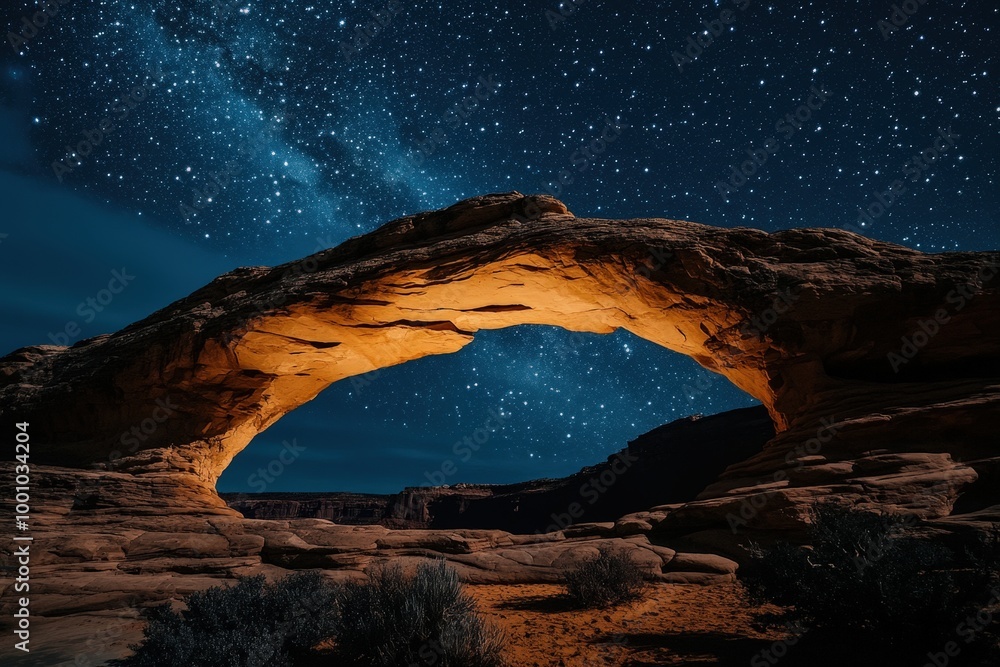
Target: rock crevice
column 789, row 317
column 878, row 365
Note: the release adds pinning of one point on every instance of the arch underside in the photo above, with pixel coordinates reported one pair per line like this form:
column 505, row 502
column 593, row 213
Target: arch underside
column 785, row 317
column 130, row 431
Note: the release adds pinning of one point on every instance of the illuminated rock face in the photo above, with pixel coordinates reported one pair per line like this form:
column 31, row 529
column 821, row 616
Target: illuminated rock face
column 801, row 320
column 878, row 364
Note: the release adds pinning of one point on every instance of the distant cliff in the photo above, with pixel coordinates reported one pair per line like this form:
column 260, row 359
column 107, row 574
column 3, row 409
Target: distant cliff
column 670, row 464
column 347, row 508
column 878, row 365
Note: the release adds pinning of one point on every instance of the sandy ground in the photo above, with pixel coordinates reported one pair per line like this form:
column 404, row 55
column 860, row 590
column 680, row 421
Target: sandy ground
column 671, row 625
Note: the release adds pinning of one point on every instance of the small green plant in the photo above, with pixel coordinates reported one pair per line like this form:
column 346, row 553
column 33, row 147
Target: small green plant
column 610, row 578
column 393, row 620
column 250, row 624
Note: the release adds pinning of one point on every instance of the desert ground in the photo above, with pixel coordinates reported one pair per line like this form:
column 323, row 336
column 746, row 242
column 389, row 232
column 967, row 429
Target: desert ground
column 674, row 624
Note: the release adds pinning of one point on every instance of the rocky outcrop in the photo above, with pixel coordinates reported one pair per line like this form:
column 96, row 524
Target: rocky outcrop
column 670, row 464
column 354, row 509
column 790, row 317
column 818, row 324
column 108, row 544
column 877, row 364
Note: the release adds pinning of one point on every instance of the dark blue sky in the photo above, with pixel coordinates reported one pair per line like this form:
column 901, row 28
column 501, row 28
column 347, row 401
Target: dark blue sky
column 313, row 135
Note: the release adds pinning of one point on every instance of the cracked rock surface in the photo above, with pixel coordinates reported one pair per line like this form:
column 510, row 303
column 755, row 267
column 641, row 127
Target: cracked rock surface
column 821, row 325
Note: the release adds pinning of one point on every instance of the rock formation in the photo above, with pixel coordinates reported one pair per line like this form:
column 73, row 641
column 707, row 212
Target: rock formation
column 792, row 318
column 878, row 365
column 352, row 509
column 670, row 464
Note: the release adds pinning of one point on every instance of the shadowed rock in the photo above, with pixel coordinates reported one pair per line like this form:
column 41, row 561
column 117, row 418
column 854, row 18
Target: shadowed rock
column 877, row 364
column 792, row 318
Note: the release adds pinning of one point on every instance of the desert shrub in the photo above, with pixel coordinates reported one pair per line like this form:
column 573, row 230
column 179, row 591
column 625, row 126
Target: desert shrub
column 393, row 620
column 608, row 579
column 250, row 624
column 865, row 575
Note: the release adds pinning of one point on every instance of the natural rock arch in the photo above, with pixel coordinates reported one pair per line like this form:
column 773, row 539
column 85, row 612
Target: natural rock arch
column 791, row 318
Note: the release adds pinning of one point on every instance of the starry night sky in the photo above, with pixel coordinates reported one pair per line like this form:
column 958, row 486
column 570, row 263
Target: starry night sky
column 314, row 135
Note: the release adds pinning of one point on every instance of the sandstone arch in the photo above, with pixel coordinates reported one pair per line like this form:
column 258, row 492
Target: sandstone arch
column 792, row 318
column 227, row 361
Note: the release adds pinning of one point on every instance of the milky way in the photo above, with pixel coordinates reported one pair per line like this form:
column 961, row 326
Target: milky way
column 257, row 131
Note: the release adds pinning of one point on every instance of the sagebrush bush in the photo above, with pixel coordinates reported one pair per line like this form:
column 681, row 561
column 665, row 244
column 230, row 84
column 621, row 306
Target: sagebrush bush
column 250, row 624
column 866, row 575
column 393, row 620
column 608, row 579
